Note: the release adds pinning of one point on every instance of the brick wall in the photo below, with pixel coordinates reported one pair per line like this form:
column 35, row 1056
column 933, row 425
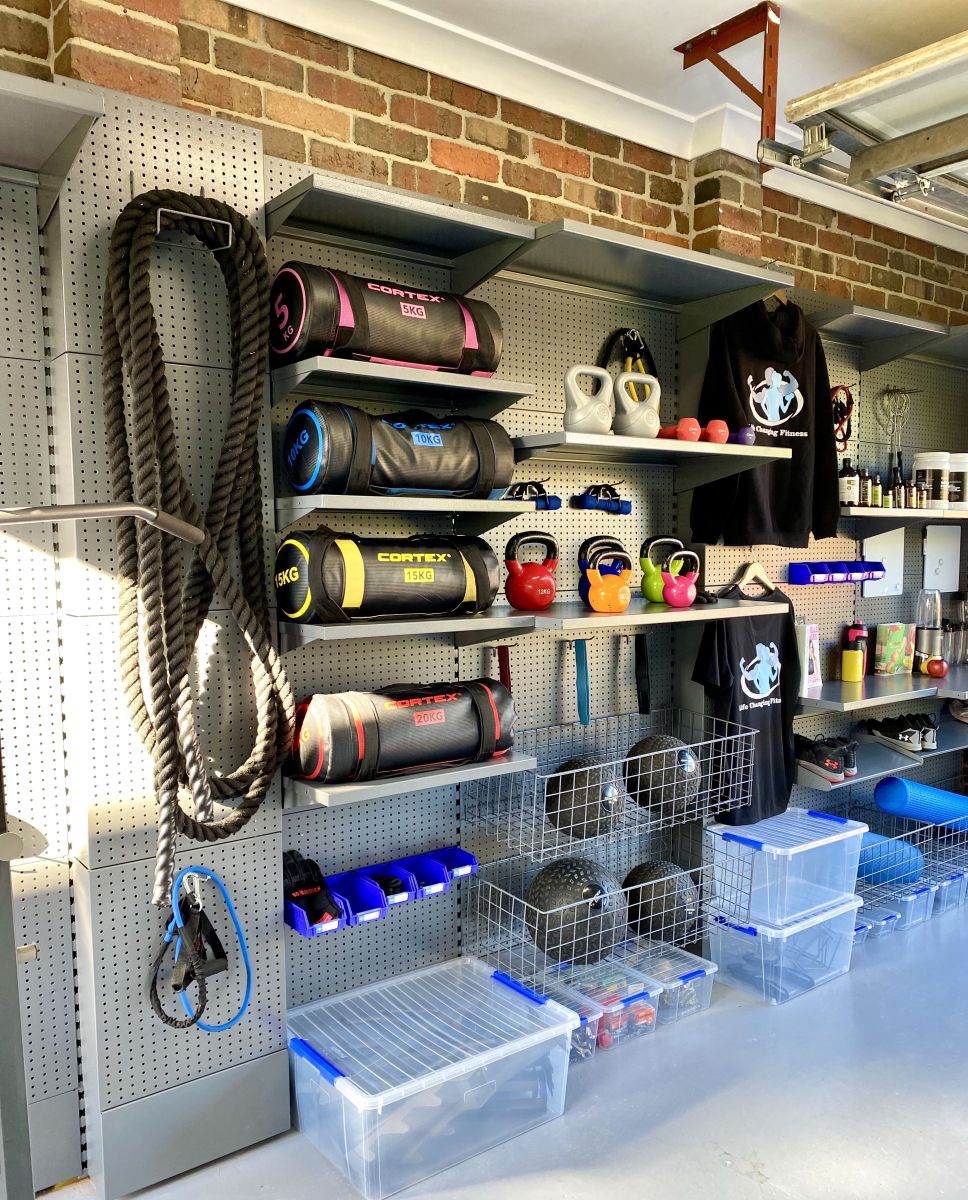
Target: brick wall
column 25, row 37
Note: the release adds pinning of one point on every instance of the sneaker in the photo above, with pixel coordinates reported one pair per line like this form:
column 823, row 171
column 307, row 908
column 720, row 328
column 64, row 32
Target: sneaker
column 821, row 757
column 848, row 749
column 959, row 710
column 927, row 723
column 896, row 731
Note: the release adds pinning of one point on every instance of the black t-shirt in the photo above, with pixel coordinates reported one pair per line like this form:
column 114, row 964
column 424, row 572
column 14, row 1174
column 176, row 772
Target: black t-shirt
column 750, row 670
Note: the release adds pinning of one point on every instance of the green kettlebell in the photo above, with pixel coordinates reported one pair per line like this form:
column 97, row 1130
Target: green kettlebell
column 652, row 582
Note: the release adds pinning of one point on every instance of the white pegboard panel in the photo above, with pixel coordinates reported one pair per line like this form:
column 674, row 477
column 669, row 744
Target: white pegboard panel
column 202, row 402
column 936, row 419
column 138, row 145
column 109, row 779
column 42, row 917
column 30, row 728
column 21, row 331
column 26, row 553
column 121, row 929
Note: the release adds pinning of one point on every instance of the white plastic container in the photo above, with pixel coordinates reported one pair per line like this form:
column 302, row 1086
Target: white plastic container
column 931, row 469
column 783, row 869
column 400, row 1079
column 687, row 979
column 778, row 964
column 862, row 928
column 958, row 481
column 883, row 921
column 630, row 999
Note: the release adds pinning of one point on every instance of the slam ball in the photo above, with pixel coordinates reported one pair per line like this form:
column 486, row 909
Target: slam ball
column 663, row 773
column 576, row 910
column 663, row 901
column 585, row 797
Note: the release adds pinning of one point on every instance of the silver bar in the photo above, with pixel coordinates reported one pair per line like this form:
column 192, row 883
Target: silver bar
column 166, row 522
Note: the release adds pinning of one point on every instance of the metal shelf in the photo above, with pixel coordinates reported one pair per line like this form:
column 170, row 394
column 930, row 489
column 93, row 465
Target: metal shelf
column 42, row 126
column 881, row 336
column 704, row 288
column 874, row 692
column 572, row 615
column 699, row 462
column 874, row 760
column 471, row 517
column 300, row 794
column 952, row 351
column 475, row 395
column 472, row 243
column 952, row 737
column 910, row 515
column 495, row 623
column 954, row 686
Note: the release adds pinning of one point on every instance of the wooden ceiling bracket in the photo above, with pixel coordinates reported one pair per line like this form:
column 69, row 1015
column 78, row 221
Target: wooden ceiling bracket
column 708, row 47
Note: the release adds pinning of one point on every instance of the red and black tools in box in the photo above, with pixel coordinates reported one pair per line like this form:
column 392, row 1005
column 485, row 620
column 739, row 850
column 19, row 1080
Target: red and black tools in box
column 355, row 736
column 325, row 576
column 319, row 311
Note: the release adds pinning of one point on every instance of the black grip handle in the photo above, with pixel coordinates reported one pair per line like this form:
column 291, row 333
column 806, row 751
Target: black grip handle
column 649, row 543
column 534, row 537
column 598, row 542
column 615, row 556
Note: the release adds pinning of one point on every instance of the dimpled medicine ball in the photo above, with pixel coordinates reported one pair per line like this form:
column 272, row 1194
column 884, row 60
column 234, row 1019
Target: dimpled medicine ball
column 576, row 910
column 666, row 779
column 663, row 901
column 585, row 803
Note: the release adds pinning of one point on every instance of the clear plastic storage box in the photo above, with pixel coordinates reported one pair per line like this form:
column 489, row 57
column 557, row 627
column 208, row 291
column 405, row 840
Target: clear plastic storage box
column 585, row 1037
column 915, row 904
column 862, row 928
column 785, row 868
column 779, row 963
column 630, row 1000
column 687, row 979
column 951, row 889
column 883, row 921
column 400, row 1079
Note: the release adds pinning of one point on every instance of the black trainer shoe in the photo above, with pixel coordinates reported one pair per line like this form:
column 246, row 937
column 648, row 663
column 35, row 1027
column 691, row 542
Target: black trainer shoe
column 896, row 731
column 927, row 724
column 820, row 757
column 848, row 748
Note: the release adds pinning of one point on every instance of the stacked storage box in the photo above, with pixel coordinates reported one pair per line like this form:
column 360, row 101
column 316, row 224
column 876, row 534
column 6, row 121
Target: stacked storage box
column 783, row 910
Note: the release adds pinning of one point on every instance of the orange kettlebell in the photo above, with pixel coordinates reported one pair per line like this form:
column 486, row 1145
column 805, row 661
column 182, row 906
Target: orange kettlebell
column 610, row 593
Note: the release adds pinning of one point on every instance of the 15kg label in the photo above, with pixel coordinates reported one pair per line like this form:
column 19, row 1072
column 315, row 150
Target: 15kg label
column 418, row 574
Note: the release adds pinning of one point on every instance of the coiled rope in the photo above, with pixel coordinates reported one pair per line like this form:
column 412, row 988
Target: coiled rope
column 162, row 606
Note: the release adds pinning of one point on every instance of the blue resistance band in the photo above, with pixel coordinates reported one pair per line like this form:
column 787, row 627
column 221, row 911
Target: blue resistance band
column 582, row 681
column 178, row 922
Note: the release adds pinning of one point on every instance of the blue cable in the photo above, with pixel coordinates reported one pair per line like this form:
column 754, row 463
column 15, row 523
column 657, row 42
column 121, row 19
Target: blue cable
column 178, row 922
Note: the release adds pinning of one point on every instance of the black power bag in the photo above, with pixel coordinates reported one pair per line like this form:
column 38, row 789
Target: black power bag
column 354, row 736
column 342, row 450
column 318, row 310
column 325, row 576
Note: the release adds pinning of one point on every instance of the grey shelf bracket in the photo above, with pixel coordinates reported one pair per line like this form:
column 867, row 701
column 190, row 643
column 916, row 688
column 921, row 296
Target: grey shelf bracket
column 700, row 314
column 475, row 267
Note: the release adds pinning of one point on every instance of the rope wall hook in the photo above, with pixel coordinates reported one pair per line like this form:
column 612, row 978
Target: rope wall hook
column 163, row 605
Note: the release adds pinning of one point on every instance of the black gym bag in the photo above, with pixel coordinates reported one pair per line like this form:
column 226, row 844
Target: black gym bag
column 325, row 576
column 354, row 736
column 342, row 450
column 319, row 311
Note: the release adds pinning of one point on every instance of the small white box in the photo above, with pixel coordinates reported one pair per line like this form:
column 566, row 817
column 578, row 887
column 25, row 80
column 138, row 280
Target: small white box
column 400, row 1079
column 779, row 964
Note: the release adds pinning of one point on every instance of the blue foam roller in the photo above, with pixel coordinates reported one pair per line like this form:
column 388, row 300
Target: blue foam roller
column 919, row 802
column 889, row 860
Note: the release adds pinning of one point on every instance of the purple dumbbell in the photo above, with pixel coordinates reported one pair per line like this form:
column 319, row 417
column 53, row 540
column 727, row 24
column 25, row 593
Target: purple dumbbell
column 745, row 436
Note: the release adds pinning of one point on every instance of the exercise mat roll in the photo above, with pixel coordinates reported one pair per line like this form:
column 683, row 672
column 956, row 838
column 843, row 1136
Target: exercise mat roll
column 325, row 576
column 320, row 311
column 354, row 736
column 921, row 802
column 339, row 449
column 889, row 860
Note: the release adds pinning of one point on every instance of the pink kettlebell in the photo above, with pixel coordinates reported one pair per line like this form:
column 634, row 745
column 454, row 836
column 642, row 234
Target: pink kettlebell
column 679, row 591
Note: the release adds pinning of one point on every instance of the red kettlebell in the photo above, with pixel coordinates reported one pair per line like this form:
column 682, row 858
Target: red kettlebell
column 716, row 432
column 679, row 591
column 530, row 585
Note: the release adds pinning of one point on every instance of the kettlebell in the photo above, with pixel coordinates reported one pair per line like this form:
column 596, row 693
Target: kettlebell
column 679, row 591
column 530, row 585
column 584, row 413
column 610, row 593
column 652, row 571
column 585, row 551
column 635, row 417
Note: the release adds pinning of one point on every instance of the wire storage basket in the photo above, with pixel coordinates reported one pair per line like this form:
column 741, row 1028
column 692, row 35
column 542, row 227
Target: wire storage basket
column 534, row 921
column 894, row 861
column 616, row 775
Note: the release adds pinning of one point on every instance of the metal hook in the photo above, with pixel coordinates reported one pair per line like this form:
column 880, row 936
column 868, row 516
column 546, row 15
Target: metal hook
column 185, row 216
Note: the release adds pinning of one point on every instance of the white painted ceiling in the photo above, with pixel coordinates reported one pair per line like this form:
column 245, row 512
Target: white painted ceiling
column 629, row 43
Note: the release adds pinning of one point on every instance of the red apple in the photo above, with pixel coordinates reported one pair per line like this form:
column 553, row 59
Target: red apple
column 937, row 667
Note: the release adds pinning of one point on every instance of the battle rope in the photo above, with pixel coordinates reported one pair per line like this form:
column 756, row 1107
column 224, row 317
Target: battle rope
column 162, row 608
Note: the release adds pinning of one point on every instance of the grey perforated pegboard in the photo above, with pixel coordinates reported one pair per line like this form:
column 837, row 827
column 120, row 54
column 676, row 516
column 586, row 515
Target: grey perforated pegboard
column 21, row 331
column 42, row 912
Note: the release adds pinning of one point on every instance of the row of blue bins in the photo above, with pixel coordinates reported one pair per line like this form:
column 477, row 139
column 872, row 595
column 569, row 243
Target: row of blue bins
column 361, row 899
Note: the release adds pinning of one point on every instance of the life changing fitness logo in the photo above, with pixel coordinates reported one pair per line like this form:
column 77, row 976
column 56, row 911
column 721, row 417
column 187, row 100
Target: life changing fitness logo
column 760, row 677
column 776, row 399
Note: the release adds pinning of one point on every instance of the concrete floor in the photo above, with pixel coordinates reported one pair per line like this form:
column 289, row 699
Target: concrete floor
column 858, row 1090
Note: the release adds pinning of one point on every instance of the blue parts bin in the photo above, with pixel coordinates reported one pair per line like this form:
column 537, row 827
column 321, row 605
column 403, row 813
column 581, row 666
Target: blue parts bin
column 361, row 898
column 920, row 802
column 846, row 572
column 888, row 860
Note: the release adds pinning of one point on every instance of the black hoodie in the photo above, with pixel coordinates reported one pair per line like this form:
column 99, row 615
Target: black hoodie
column 768, row 370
